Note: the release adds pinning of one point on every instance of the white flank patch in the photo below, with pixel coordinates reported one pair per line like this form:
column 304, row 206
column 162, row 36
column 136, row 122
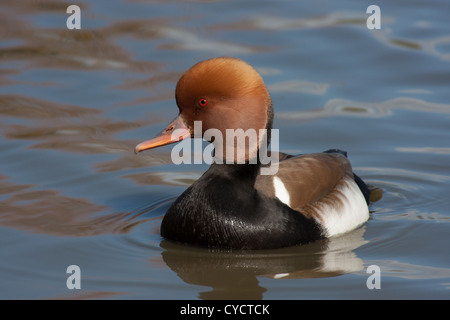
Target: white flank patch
column 280, row 191
column 343, row 218
column 280, row 275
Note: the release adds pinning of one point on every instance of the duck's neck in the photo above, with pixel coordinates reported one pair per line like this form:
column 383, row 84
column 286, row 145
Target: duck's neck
column 239, row 174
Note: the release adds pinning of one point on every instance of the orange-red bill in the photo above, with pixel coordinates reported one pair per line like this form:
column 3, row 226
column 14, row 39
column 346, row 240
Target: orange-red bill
column 176, row 131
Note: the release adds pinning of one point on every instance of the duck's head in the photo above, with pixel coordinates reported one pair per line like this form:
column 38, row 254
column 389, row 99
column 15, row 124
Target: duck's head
column 223, row 93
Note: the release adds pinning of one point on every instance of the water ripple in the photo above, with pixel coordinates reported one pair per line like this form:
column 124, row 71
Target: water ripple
column 339, row 107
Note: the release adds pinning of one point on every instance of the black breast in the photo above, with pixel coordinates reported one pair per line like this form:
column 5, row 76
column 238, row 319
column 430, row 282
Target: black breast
column 223, row 210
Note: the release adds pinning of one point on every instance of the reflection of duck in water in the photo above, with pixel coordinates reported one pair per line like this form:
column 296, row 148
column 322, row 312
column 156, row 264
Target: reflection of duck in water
column 238, row 275
column 232, row 205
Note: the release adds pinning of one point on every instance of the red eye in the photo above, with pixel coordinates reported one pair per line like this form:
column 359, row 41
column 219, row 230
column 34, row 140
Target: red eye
column 202, row 102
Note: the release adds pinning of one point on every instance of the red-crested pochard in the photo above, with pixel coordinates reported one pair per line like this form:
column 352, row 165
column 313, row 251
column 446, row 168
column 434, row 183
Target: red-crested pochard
column 232, row 205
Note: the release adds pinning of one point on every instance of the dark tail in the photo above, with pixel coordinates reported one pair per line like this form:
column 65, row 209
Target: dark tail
column 370, row 193
column 363, row 187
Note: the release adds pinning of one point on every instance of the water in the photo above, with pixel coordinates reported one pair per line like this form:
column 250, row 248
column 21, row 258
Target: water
column 74, row 103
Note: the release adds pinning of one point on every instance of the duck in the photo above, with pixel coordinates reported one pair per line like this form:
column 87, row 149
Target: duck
column 232, row 206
